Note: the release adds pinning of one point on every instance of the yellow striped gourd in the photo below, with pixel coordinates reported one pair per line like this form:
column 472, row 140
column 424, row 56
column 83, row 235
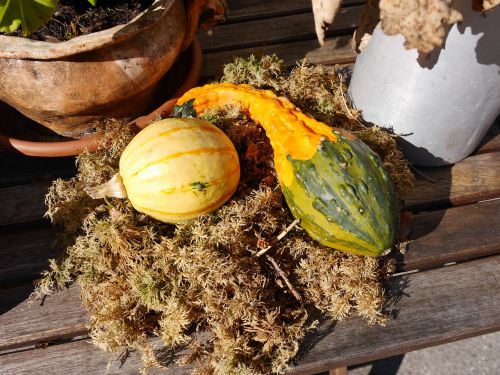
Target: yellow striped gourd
column 177, row 169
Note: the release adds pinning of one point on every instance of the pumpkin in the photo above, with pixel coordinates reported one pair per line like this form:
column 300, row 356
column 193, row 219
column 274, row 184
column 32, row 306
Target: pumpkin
column 176, row 169
column 333, row 183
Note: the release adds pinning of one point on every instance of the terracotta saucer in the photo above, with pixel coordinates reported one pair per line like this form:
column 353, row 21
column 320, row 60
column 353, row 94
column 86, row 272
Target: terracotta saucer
column 66, row 147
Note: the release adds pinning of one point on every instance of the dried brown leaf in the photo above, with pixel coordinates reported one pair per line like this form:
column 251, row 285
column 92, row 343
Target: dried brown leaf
column 423, row 23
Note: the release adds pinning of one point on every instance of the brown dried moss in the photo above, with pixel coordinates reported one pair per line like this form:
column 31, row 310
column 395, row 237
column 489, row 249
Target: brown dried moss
column 198, row 286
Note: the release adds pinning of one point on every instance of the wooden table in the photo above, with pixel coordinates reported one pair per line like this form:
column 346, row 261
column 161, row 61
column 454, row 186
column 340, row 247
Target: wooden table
column 446, row 288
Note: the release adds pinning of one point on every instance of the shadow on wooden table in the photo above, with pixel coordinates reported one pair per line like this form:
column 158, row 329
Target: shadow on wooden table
column 428, row 201
column 326, row 327
column 13, row 296
column 395, row 289
column 25, row 251
column 386, row 366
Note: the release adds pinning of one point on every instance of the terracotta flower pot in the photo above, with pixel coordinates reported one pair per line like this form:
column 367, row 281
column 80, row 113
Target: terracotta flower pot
column 189, row 67
column 112, row 73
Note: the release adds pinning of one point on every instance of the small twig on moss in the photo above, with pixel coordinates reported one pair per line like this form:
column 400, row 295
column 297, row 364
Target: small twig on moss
column 279, row 237
column 285, row 279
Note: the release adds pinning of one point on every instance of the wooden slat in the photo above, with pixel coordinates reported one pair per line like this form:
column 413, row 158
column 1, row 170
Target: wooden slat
column 20, row 169
column 23, row 324
column 243, row 10
column 25, row 254
column 274, row 30
column 24, row 203
column 337, row 50
column 433, row 307
column 79, row 357
column 453, row 235
column 472, row 180
column 435, row 242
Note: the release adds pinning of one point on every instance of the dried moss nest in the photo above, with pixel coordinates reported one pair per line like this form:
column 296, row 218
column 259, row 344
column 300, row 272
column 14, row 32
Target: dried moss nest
column 198, row 286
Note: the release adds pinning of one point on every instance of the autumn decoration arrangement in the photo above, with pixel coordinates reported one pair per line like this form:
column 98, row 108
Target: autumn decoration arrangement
column 223, row 235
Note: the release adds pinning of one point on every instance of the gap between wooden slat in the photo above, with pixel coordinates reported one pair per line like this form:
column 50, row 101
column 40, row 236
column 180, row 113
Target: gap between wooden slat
column 57, row 317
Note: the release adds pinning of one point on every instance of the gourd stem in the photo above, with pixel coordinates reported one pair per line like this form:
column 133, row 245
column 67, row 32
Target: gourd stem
column 113, row 188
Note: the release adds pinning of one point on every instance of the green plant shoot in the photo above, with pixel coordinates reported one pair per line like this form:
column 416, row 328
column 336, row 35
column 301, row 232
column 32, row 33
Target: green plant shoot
column 31, row 14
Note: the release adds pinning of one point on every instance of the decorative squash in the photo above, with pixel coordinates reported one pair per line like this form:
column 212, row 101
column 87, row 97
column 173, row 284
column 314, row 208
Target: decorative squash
column 332, row 182
column 176, row 169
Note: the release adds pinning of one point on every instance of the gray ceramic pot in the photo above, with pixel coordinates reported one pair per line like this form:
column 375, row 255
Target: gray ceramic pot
column 445, row 101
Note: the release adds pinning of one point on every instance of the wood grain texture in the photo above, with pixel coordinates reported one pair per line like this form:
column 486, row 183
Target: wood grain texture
column 453, row 235
column 471, row 180
column 76, row 358
column 23, row 324
column 243, row 10
column 274, row 30
column 25, row 253
column 337, row 50
column 435, row 242
column 23, row 203
column 432, row 308
column 20, row 169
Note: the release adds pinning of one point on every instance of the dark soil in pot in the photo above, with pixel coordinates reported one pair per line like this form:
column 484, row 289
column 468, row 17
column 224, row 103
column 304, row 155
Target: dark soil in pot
column 78, row 17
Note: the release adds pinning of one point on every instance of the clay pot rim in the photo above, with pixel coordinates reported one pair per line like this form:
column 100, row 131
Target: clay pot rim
column 75, row 147
column 13, row 47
